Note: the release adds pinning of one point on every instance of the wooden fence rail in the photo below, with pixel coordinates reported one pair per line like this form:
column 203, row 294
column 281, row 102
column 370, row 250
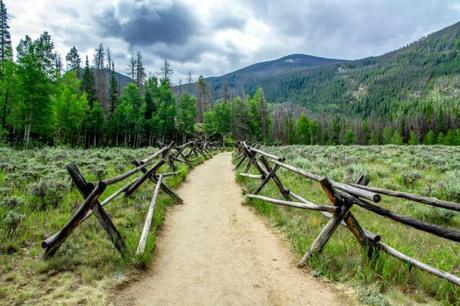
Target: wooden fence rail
column 343, row 197
column 168, row 155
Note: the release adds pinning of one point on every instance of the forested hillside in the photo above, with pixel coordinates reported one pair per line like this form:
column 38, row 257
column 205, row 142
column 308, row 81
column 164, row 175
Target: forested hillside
column 415, row 88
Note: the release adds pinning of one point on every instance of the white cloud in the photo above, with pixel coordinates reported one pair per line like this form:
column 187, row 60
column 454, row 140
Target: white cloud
column 218, row 36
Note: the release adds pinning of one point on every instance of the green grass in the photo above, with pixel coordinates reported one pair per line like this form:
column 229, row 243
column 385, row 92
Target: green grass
column 428, row 170
column 37, row 199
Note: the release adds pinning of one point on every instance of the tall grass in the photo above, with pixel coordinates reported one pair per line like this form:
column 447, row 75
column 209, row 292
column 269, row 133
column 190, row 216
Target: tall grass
column 430, row 171
column 37, row 199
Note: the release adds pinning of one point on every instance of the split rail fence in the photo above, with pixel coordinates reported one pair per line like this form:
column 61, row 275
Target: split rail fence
column 342, row 198
column 91, row 192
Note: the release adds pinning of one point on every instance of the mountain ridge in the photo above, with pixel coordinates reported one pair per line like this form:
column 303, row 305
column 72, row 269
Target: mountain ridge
column 393, row 82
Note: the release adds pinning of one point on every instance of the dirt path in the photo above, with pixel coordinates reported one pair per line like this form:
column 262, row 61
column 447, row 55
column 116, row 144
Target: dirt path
column 213, row 251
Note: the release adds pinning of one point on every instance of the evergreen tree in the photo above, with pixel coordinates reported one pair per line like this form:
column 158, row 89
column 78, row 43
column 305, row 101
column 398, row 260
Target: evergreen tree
column 88, row 84
column 8, row 86
column 259, row 117
column 387, row 135
column 396, row 138
column 73, row 60
column 166, row 112
column 366, row 134
column 349, row 137
column 450, row 138
column 240, row 118
column 430, row 138
column 302, row 128
column 315, row 132
column 113, row 89
column 95, row 122
column 6, row 50
column 441, row 139
column 186, row 114
column 457, row 138
column 413, row 138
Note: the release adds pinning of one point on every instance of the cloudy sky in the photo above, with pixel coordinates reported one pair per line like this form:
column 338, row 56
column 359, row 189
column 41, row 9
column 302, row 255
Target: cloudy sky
column 213, row 37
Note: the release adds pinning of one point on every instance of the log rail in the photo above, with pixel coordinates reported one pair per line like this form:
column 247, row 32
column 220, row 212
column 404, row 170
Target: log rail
column 343, row 197
column 167, row 155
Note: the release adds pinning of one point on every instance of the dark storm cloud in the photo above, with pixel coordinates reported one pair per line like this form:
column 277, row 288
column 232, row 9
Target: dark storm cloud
column 147, row 25
column 229, row 22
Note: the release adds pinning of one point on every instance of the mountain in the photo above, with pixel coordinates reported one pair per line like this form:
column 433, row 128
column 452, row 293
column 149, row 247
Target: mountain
column 424, row 74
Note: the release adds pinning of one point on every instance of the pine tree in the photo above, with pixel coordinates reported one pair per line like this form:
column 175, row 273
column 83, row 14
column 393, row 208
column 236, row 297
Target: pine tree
column 441, row 139
column 302, row 128
column 450, row 138
column 113, row 89
column 186, row 114
column 430, row 138
column 349, row 137
column 396, row 138
column 88, row 84
column 413, row 138
column 73, row 60
column 6, row 51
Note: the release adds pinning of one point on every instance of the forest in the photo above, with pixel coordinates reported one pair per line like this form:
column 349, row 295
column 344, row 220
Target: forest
column 48, row 100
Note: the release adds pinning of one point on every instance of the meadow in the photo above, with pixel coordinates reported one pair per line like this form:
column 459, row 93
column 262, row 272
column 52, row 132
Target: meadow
column 37, row 199
column 432, row 171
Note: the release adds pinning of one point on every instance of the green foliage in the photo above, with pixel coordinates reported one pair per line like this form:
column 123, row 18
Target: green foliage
column 302, row 130
column 413, row 138
column 36, row 200
column 430, row 138
column 397, row 138
column 433, row 173
column 35, row 85
column 70, row 107
column 186, row 114
column 349, row 137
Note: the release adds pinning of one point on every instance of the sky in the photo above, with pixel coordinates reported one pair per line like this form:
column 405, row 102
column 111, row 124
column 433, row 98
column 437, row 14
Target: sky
column 214, row 37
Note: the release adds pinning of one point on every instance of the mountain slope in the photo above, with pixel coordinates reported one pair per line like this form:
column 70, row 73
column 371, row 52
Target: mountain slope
column 404, row 80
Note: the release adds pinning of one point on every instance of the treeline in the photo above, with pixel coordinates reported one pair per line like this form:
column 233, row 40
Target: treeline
column 86, row 107
column 253, row 119
column 43, row 103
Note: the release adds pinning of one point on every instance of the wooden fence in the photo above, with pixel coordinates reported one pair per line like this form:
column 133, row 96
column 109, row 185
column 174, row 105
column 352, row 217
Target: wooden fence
column 342, row 198
column 90, row 192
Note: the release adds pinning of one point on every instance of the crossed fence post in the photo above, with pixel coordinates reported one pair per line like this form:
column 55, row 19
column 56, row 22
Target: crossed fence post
column 91, row 193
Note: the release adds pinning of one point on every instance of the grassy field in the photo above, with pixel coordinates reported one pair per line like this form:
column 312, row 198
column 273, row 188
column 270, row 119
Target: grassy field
column 427, row 170
column 37, row 199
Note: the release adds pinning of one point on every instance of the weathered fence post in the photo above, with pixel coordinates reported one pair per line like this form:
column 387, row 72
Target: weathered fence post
column 329, row 229
column 53, row 243
column 164, row 188
column 148, row 220
column 105, row 221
